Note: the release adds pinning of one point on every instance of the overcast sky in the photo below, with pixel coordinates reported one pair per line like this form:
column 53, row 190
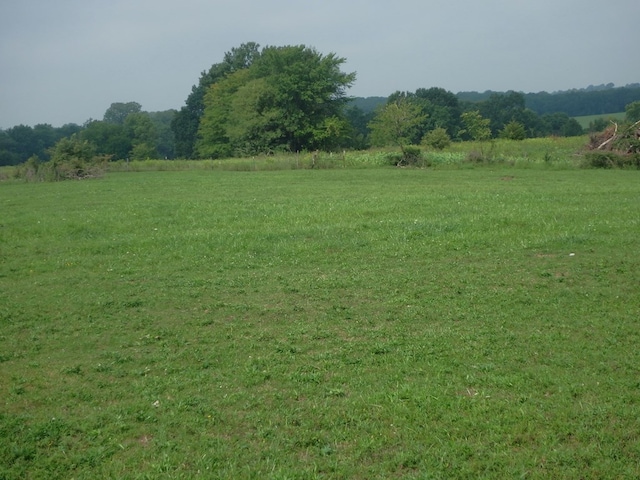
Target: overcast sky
column 65, row 61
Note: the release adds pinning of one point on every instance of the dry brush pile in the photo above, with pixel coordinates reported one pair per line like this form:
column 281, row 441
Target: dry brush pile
column 616, row 146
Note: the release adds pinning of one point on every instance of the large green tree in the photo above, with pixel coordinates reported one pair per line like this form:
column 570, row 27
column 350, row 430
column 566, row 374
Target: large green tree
column 118, row 112
column 186, row 121
column 290, row 98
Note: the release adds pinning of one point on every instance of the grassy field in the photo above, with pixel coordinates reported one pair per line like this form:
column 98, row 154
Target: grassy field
column 585, row 120
column 346, row 323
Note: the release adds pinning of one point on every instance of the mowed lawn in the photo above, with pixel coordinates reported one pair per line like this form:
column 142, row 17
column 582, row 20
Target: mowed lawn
column 357, row 324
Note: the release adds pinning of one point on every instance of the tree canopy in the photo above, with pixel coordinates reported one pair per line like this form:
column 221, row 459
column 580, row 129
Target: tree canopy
column 186, row 122
column 289, row 98
column 118, row 112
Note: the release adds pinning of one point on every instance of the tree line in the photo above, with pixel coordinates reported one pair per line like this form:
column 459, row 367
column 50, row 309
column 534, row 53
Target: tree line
column 125, row 132
column 593, row 100
column 293, row 98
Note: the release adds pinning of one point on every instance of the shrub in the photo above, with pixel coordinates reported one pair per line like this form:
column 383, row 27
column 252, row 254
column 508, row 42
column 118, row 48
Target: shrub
column 29, row 169
column 437, row 138
column 410, row 156
column 610, row 159
column 71, row 158
column 513, row 131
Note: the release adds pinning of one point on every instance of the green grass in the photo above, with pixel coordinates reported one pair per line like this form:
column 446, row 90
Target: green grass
column 585, row 120
column 345, row 323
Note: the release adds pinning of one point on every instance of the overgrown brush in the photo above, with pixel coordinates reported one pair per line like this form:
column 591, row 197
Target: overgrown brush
column 54, row 171
column 618, row 146
column 71, row 159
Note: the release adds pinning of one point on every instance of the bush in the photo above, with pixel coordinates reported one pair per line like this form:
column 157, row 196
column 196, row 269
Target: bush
column 29, row 169
column 437, row 138
column 610, row 159
column 71, row 158
column 410, row 156
column 513, row 131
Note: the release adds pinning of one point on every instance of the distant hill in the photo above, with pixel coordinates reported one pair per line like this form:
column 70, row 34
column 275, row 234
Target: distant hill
column 592, row 100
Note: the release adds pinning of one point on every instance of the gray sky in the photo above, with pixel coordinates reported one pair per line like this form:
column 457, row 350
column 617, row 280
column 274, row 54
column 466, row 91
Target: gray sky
column 65, row 61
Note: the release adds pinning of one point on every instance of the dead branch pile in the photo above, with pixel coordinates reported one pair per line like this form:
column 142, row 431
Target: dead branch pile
column 623, row 140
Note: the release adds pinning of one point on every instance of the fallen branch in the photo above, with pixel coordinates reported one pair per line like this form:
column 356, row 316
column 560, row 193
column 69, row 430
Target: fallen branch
column 610, row 138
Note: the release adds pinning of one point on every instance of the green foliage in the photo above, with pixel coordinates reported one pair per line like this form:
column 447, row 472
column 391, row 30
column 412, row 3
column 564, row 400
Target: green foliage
column 410, row 156
column 140, row 135
column 143, row 151
column 476, row 126
column 118, row 112
column 8, row 150
column 213, row 138
column 110, row 139
column 561, row 124
column 72, row 149
column 397, row 123
column 251, row 126
column 29, row 170
column 143, row 135
column 19, row 143
column 71, row 158
column 513, row 131
column 632, row 112
column 186, row 122
column 439, row 107
column 437, row 138
column 165, row 140
column 611, row 159
column 359, row 129
column 598, row 124
column 289, row 99
column 500, row 109
column 583, row 102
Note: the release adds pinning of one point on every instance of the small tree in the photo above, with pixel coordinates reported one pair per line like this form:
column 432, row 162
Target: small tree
column 437, row 138
column 476, row 126
column 396, row 124
column 513, row 131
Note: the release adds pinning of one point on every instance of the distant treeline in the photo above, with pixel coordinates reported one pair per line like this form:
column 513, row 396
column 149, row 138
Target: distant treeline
column 593, row 100
column 598, row 100
column 127, row 132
